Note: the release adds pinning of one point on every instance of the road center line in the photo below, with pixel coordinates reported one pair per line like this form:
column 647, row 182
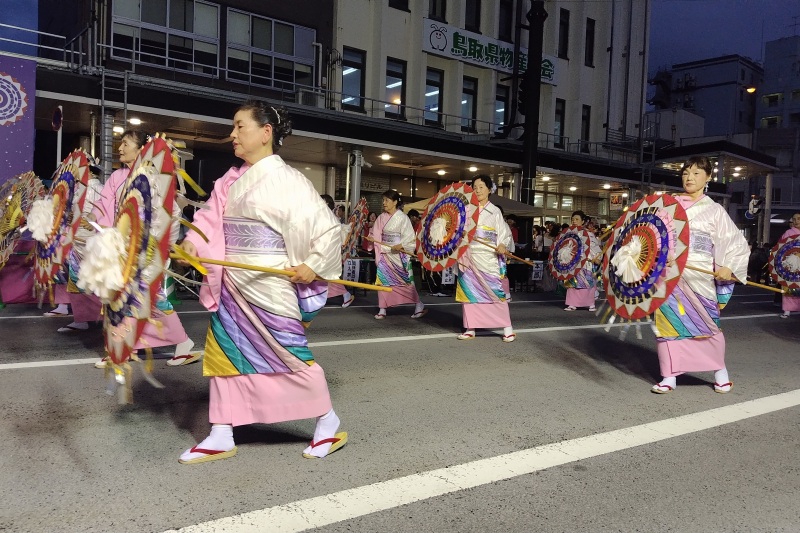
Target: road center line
column 378, row 340
column 360, row 501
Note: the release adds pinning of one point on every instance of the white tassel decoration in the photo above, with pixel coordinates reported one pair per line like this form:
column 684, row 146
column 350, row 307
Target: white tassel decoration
column 625, row 261
column 792, row 262
column 438, row 231
column 565, row 253
column 41, row 219
column 101, row 269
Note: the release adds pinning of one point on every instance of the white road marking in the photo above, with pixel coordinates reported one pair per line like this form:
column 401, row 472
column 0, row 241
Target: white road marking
column 360, row 501
column 378, row 340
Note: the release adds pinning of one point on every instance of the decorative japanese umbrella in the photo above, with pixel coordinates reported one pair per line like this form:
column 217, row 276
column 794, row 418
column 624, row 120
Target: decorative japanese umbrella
column 784, row 263
column 356, row 221
column 16, row 199
column 449, row 223
column 645, row 256
column 569, row 255
column 124, row 264
column 54, row 219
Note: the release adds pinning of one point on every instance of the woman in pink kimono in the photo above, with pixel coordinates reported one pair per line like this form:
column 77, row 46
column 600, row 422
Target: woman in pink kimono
column 791, row 302
column 583, row 290
column 481, row 270
column 264, row 213
column 169, row 331
column 687, row 324
column 395, row 242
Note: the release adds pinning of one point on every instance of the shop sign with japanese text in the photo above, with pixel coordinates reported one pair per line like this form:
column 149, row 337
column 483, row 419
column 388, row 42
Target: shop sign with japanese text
column 455, row 43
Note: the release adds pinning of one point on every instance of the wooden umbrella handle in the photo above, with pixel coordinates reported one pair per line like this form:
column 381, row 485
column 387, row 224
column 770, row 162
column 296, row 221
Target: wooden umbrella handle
column 512, row 256
column 754, row 284
column 280, row 272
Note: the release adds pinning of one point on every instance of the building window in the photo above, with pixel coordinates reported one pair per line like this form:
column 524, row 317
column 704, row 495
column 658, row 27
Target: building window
column 437, row 10
column 267, row 52
column 395, row 88
column 563, row 34
column 586, row 128
column 772, row 100
column 175, row 34
column 770, row 122
column 506, row 21
column 776, row 195
column 796, row 95
column 472, row 18
column 353, row 62
column 588, row 50
column 399, row 4
column 794, row 119
column 558, row 125
column 434, row 97
column 501, row 107
column 469, row 104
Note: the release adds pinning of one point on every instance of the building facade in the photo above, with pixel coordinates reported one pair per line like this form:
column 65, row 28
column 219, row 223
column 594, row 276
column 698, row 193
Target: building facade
column 384, row 94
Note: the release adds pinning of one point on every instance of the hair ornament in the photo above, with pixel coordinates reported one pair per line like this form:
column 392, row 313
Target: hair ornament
column 276, row 114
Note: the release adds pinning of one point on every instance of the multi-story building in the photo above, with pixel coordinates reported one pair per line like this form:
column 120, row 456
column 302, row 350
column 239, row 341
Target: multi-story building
column 778, row 135
column 404, row 94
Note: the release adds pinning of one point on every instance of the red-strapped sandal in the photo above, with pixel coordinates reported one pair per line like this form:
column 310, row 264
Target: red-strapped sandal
column 338, row 440
column 208, row 455
column 510, row 338
column 658, row 388
column 723, row 388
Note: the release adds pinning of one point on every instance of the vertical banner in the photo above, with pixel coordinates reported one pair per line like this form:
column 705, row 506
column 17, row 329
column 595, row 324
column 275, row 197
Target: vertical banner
column 352, row 269
column 449, row 276
column 17, row 96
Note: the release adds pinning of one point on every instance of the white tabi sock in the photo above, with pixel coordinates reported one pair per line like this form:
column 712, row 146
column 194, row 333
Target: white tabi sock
column 419, row 307
column 220, row 439
column 721, row 376
column 326, row 428
column 61, row 309
column 671, row 381
column 508, row 330
column 382, row 311
column 183, row 348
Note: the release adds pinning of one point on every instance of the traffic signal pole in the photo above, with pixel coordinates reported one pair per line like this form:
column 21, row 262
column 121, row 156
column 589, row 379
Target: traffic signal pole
column 533, row 81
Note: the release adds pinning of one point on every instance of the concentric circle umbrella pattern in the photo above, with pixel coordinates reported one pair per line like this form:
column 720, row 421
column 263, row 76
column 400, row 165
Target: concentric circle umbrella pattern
column 68, row 194
column 448, row 225
column 144, row 217
column 645, row 256
column 569, row 254
column 784, row 263
column 356, row 221
column 16, row 198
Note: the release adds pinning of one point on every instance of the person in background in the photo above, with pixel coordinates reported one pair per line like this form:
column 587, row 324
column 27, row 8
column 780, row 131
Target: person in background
column 583, row 291
column 537, row 242
column 416, row 221
column 337, row 289
column 791, row 302
column 687, row 324
column 257, row 355
column 340, row 214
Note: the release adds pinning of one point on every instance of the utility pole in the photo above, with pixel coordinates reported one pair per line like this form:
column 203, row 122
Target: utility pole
column 533, row 82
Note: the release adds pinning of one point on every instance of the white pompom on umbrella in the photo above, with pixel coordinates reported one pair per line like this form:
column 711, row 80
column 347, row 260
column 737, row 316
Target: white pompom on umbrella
column 438, row 231
column 625, row 261
column 40, row 219
column 792, row 262
column 101, row 269
column 566, row 252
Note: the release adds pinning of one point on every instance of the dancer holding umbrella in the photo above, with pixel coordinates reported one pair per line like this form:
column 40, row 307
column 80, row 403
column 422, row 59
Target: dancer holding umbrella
column 784, row 266
column 395, row 240
column 482, row 268
column 683, row 255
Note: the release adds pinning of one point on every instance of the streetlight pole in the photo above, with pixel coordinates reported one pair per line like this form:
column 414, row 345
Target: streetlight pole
column 533, row 76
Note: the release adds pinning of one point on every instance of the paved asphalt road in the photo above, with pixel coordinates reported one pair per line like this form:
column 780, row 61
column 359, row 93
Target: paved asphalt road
column 555, row 432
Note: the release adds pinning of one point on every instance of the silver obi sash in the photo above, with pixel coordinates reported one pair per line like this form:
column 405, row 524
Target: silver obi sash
column 247, row 236
column 701, row 243
column 391, row 237
column 486, row 234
